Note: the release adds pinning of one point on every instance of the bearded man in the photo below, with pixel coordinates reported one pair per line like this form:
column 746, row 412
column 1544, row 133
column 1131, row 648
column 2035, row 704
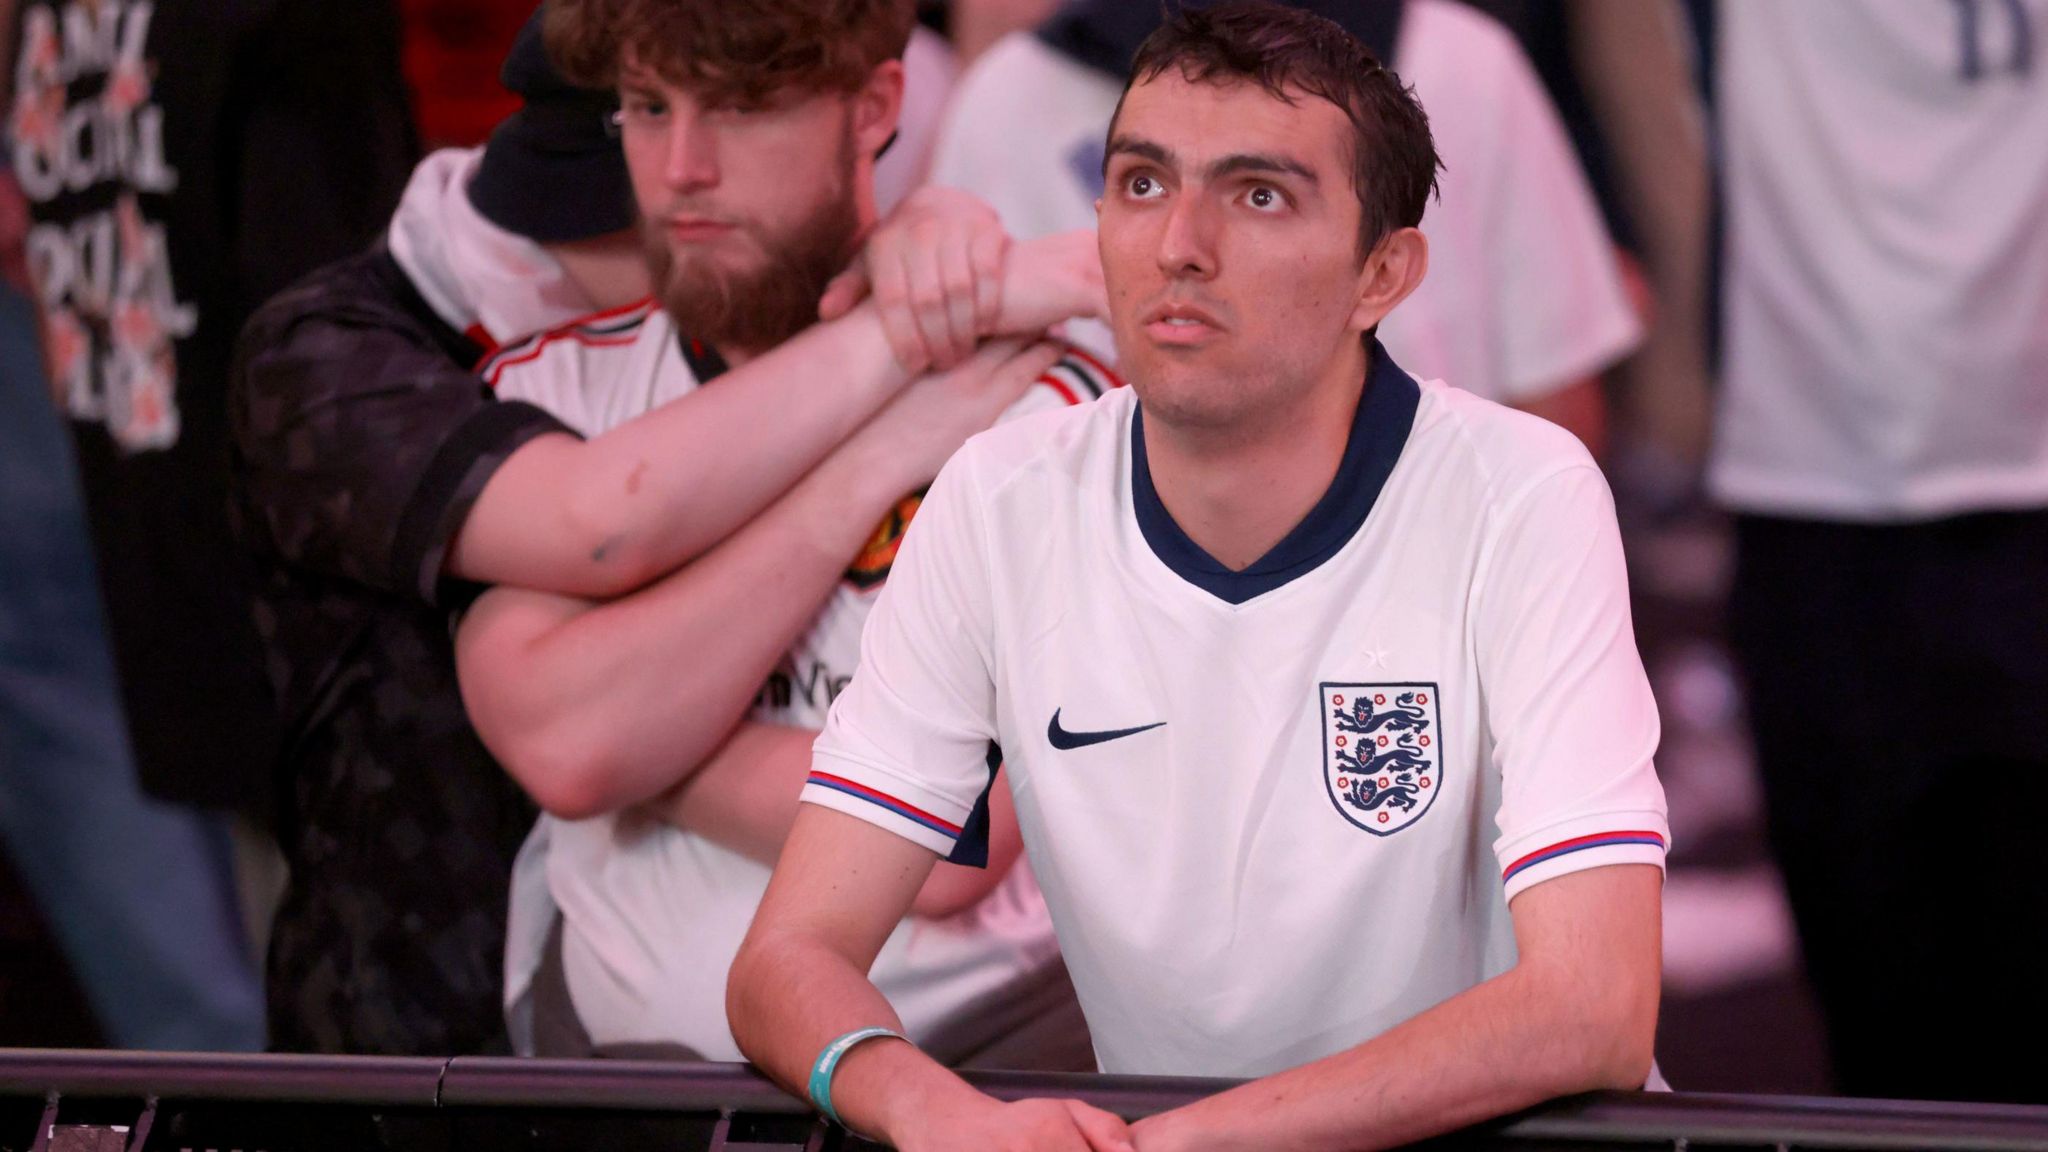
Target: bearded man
column 663, row 819
column 381, row 486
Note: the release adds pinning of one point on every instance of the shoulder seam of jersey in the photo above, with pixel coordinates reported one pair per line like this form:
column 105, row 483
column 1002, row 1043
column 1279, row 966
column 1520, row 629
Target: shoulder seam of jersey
column 1487, row 466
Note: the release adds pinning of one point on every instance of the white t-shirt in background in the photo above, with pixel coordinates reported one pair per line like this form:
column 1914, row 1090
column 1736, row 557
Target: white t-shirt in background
column 1887, row 266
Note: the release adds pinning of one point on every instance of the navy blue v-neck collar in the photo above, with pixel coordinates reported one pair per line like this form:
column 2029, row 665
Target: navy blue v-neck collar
column 1386, row 413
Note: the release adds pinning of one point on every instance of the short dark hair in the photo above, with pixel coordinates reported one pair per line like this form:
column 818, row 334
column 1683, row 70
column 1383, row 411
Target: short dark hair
column 1285, row 50
column 741, row 50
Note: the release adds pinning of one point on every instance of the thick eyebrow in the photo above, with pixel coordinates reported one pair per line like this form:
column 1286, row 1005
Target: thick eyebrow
column 1225, row 166
column 1142, row 149
column 1259, row 162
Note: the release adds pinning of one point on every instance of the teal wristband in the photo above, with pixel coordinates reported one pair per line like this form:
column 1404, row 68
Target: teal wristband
column 828, row 1061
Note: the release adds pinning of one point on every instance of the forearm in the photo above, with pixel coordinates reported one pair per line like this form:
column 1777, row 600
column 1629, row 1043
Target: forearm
column 789, row 996
column 794, row 990
column 1577, row 1012
column 603, row 517
column 1641, row 88
column 1502, row 1046
column 746, row 796
column 597, row 707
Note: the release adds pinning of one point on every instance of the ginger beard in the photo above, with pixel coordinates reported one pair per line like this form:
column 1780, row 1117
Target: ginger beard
column 759, row 307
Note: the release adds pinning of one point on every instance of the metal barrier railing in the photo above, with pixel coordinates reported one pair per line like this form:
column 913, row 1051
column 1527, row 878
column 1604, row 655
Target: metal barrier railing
column 80, row 1101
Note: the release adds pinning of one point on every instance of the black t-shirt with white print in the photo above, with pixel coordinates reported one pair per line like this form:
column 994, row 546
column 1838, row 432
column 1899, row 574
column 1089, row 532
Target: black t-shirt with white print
column 184, row 159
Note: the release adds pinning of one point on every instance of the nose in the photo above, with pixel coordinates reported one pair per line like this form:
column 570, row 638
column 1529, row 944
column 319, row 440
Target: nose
column 1187, row 246
column 692, row 153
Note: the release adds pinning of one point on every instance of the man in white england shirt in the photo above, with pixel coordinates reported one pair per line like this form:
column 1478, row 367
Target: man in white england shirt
column 1340, row 775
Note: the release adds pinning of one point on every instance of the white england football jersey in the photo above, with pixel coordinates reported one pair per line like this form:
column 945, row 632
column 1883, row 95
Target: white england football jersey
column 1274, row 812
column 1524, row 293
column 653, row 916
column 1887, row 275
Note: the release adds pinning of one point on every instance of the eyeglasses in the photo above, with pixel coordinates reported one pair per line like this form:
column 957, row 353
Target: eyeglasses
column 633, row 120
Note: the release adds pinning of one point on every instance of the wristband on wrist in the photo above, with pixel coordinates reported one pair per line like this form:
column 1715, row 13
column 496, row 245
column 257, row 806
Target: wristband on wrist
column 820, row 1087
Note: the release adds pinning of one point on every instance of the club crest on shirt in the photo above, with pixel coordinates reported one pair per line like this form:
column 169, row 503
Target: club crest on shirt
column 872, row 566
column 1382, row 753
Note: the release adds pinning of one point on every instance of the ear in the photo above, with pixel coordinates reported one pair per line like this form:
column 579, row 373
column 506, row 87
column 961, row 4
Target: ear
column 877, row 107
column 1394, row 269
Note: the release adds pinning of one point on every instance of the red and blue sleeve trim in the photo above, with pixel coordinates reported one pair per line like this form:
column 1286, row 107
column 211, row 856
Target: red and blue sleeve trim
column 909, row 812
column 610, row 328
column 1580, row 844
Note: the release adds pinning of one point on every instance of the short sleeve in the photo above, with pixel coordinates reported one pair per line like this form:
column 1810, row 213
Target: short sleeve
column 1573, row 724
column 361, row 445
column 1559, row 304
column 906, row 745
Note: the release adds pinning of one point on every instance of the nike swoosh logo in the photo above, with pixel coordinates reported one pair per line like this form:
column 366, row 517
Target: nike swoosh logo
column 1066, row 741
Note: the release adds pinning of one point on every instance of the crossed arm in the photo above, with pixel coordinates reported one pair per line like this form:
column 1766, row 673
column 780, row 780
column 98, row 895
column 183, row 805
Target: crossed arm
column 600, row 518
column 1577, row 1012
column 594, row 706
column 745, row 798
column 597, row 706
column 595, row 703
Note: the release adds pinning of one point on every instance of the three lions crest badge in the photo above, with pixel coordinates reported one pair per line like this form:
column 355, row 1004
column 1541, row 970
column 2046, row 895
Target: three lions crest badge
column 1382, row 753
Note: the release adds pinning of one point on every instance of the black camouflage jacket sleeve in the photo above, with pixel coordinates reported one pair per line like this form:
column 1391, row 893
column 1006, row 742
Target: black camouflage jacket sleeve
column 362, row 437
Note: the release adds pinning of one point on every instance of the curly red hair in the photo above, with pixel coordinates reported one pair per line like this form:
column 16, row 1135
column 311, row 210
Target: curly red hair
column 742, row 51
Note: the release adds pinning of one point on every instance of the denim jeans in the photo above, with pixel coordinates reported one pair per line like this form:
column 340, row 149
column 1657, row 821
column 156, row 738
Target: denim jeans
column 139, row 893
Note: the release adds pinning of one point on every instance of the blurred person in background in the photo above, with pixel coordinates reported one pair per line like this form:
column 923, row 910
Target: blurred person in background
column 948, row 36
column 1882, row 437
column 179, row 161
column 1524, row 303
column 132, row 889
column 972, row 27
column 382, row 484
column 1623, row 75
column 669, row 786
